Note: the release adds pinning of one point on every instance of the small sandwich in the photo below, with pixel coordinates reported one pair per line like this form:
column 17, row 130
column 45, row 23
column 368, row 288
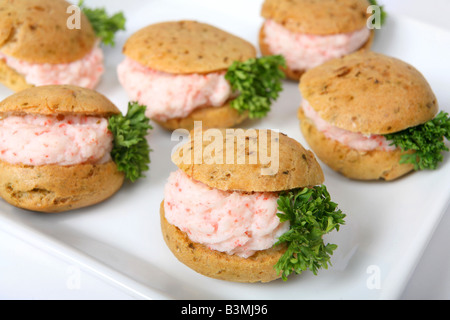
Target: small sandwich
column 64, row 147
column 187, row 71
column 308, row 33
column 42, row 44
column 232, row 214
column 370, row 116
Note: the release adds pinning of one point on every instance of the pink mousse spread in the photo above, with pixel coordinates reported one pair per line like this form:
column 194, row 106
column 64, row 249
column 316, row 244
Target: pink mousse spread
column 306, row 51
column 231, row 222
column 85, row 72
column 352, row 140
column 169, row 96
column 64, row 140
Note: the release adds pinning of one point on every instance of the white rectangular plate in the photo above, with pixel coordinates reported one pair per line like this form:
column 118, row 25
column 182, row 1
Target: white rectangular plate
column 388, row 224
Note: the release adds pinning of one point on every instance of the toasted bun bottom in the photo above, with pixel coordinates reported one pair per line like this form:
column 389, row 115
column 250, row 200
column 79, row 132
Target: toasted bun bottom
column 219, row 265
column 211, row 117
column 354, row 164
column 12, row 79
column 54, row 188
column 297, row 74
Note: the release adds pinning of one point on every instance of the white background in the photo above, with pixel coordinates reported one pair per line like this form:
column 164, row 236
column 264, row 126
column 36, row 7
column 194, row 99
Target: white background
column 29, row 273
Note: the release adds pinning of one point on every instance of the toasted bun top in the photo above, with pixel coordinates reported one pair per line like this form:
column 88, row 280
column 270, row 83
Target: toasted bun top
column 185, row 47
column 248, row 160
column 370, row 93
column 36, row 31
column 58, row 99
column 319, row 17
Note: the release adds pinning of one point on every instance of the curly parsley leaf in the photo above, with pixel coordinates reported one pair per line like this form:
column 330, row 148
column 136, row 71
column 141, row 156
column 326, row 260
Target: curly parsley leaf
column 258, row 83
column 105, row 26
column 426, row 141
column 131, row 151
column 311, row 214
column 383, row 13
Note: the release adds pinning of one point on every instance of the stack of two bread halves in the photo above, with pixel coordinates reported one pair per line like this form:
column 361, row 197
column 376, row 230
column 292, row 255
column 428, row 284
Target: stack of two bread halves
column 370, row 116
column 40, row 46
column 249, row 207
column 64, row 147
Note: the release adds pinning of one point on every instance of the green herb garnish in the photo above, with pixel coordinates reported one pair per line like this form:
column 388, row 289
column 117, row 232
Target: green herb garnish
column 258, row 83
column 311, row 214
column 105, row 26
column 131, row 151
column 383, row 13
column 426, row 140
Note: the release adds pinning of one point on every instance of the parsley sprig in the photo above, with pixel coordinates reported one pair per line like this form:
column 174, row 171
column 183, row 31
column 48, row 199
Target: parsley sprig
column 311, row 214
column 105, row 26
column 131, row 151
column 383, row 13
column 426, row 140
column 258, row 83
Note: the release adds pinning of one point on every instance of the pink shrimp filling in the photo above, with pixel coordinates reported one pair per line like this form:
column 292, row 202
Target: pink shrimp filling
column 353, row 140
column 169, row 96
column 44, row 140
column 231, row 222
column 306, row 51
column 84, row 73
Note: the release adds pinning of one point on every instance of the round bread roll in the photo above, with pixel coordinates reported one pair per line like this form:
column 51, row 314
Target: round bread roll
column 370, row 94
column 186, row 48
column 57, row 188
column 36, row 31
column 297, row 168
column 318, row 18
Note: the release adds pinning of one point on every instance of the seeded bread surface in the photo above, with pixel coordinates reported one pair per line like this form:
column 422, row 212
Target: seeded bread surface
column 185, row 47
column 59, row 99
column 369, row 93
column 318, row 17
column 235, row 169
column 36, row 31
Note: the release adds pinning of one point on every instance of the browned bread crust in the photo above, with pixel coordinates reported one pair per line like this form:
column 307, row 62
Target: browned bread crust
column 297, row 167
column 184, row 47
column 36, row 31
column 54, row 188
column 59, row 99
column 320, row 17
column 369, row 93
